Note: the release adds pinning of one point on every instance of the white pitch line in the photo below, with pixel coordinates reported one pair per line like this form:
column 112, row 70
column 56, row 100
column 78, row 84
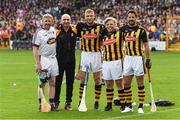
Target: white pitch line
column 127, row 116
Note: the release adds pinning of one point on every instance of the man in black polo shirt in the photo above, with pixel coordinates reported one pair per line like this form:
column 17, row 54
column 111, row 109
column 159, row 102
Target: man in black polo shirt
column 66, row 41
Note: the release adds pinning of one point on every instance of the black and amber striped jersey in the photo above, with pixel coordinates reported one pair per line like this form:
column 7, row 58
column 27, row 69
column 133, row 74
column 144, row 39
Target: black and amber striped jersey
column 134, row 38
column 113, row 43
column 89, row 37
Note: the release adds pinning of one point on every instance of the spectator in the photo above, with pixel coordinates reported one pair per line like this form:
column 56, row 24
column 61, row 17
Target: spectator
column 30, row 11
column 5, row 36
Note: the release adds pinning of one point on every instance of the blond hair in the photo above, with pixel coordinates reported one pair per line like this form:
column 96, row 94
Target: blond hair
column 89, row 11
column 47, row 15
column 110, row 18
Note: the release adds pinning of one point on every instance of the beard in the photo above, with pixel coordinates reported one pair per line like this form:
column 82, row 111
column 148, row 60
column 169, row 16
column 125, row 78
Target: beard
column 111, row 29
column 47, row 24
column 132, row 22
column 90, row 22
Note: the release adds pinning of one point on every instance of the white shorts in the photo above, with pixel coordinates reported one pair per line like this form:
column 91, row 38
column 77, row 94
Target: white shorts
column 112, row 70
column 133, row 65
column 50, row 64
column 91, row 59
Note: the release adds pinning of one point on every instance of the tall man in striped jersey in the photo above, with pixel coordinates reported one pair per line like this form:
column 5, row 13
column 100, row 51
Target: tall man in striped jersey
column 90, row 44
column 136, row 43
column 112, row 61
column 44, row 50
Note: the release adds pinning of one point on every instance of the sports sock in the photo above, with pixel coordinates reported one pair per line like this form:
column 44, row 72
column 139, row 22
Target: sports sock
column 121, row 97
column 128, row 96
column 97, row 92
column 51, row 100
column 109, row 95
column 39, row 100
column 141, row 95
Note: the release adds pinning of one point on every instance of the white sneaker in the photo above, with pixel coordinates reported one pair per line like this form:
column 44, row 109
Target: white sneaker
column 133, row 104
column 140, row 110
column 127, row 109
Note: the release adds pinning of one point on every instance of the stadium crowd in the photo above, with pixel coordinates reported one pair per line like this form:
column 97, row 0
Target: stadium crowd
column 20, row 18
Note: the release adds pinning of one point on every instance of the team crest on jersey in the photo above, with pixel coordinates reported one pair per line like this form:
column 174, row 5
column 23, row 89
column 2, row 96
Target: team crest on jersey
column 89, row 27
column 51, row 41
column 84, row 29
column 109, row 42
column 72, row 34
column 90, row 36
column 105, row 36
column 130, row 38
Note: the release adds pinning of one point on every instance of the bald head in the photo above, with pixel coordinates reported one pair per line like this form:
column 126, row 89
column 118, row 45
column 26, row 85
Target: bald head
column 65, row 20
column 65, row 17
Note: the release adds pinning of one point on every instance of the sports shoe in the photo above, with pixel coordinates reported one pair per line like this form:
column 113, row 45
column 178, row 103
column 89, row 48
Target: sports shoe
column 96, row 106
column 39, row 109
column 52, row 107
column 122, row 108
column 140, row 110
column 67, row 106
column 57, row 107
column 108, row 107
column 127, row 109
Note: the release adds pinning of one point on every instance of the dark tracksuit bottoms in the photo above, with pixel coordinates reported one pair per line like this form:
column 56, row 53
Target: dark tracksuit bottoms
column 66, row 42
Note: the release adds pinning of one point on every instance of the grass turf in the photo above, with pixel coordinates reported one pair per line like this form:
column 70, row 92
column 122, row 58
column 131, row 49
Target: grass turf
column 20, row 101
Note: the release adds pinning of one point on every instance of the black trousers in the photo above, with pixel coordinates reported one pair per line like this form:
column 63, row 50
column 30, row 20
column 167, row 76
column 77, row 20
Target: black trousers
column 69, row 69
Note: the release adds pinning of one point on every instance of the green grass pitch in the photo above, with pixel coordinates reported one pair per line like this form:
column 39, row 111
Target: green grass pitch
column 20, row 101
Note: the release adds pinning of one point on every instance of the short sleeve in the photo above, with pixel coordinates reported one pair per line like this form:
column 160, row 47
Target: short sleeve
column 36, row 39
column 103, row 32
column 74, row 28
column 78, row 28
column 144, row 36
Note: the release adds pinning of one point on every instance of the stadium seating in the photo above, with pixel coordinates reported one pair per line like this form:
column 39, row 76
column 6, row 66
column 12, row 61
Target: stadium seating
column 29, row 12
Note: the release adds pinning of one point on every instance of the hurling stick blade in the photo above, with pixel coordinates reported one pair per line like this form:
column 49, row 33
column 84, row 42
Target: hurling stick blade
column 45, row 106
column 153, row 107
column 82, row 107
